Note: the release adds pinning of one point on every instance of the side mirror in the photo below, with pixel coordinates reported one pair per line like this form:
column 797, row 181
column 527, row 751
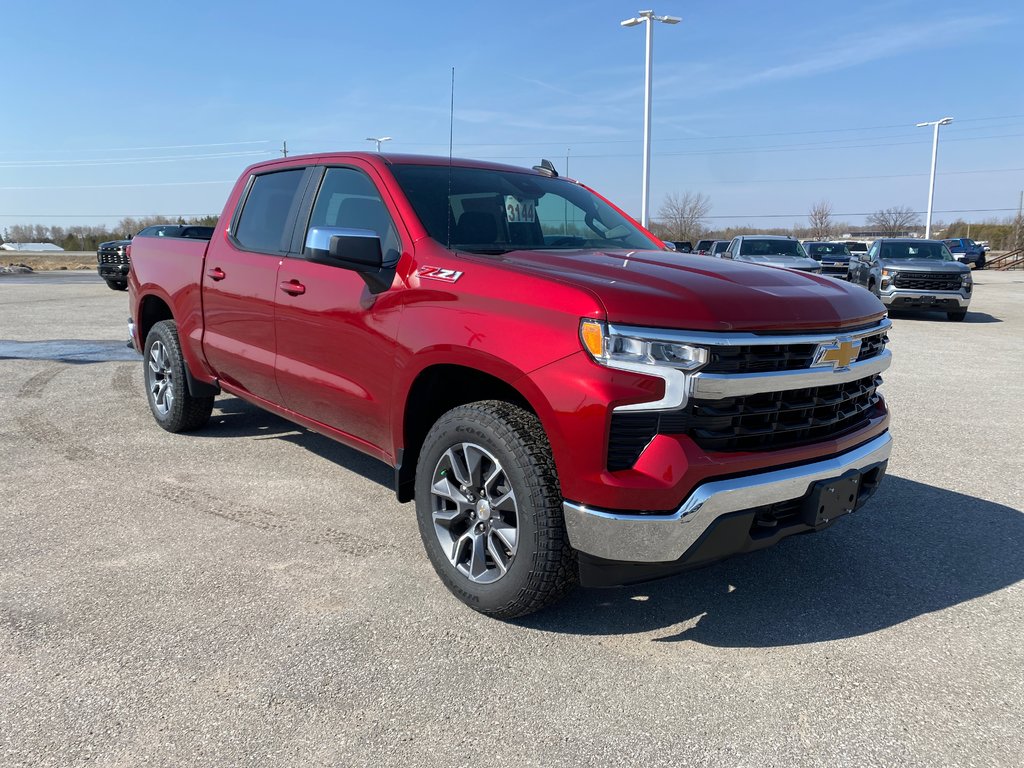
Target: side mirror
column 356, row 249
column 670, row 246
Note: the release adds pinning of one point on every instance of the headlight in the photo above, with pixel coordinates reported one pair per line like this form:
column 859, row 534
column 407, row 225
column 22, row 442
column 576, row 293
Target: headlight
column 888, row 275
column 966, row 278
column 611, row 348
column 643, row 351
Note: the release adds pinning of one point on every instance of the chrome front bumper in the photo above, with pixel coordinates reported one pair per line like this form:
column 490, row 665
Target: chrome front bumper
column 665, row 538
column 891, row 297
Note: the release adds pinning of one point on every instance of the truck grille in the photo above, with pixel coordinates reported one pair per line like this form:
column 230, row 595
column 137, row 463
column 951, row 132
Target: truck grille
column 112, row 257
column 761, row 358
column 927, row 281
column 765, row 421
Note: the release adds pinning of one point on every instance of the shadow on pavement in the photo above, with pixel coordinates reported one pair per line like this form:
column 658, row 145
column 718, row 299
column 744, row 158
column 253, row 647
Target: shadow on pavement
column 234, row 417
column 69, row 351
column 935, row 315
column 912, row 550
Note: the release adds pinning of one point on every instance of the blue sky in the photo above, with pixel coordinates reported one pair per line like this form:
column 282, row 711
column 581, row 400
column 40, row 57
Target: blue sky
column 117, row 108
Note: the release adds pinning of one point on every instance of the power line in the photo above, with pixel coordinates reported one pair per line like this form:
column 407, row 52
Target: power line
column 126, row 160
column 862, row 213
column 119, row 186
column 148, row 149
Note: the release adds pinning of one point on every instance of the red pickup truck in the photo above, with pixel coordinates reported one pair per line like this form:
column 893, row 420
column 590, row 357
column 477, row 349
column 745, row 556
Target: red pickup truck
column 565, row 400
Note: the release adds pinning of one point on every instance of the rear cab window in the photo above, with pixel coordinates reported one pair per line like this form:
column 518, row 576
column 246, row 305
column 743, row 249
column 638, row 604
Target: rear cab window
column 267, row 216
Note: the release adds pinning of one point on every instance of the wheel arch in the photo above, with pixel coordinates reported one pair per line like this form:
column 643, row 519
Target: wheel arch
column 435, row 390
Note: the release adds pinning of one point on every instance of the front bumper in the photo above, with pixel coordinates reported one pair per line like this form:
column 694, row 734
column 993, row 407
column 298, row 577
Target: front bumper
column 904, row 299
column 675, row 538
column 113, row 271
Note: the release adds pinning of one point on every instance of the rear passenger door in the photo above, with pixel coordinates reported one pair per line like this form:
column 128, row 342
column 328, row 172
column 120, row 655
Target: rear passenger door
column 336, row 357
column 240, row 283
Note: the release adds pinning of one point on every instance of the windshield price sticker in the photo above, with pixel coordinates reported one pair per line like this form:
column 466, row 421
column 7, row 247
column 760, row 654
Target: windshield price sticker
column 520, row 211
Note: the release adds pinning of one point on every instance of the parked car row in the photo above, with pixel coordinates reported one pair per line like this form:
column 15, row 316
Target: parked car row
column 904, row 273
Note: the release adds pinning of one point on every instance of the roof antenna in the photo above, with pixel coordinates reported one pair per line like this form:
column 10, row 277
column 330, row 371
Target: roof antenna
column 547, row 168
column 449, row 213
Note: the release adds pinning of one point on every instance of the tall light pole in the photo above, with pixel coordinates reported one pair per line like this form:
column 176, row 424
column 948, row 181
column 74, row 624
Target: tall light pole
column 379, row 141
column 931, row 183
column 649, row 18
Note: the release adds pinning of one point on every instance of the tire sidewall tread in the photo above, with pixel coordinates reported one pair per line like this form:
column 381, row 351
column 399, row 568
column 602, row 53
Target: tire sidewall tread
column 545, row 567
column 187, row 412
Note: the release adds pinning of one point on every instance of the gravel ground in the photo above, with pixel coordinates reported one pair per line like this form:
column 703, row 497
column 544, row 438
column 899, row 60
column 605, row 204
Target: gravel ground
column 253, row 594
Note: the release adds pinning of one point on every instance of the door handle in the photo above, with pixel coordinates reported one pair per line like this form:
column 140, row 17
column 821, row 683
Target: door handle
column 216, row 273
column 292, row 287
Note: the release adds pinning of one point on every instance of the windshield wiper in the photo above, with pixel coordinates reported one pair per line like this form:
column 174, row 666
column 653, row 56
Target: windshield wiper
column 487, row 250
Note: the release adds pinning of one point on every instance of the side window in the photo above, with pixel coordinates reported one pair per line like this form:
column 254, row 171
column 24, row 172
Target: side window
column 873, row 253
column 730, row 252
column 349, row 199
column 263, row 223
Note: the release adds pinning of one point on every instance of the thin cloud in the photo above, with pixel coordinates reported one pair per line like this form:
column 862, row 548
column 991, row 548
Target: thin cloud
column 843, row 53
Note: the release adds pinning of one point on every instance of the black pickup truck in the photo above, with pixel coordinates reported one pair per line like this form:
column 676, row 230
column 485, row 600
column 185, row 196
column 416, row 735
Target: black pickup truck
column 113, row 258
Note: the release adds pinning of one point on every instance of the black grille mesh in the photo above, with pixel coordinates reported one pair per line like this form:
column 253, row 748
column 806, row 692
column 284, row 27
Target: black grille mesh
column 765, row 421
column 927, row 281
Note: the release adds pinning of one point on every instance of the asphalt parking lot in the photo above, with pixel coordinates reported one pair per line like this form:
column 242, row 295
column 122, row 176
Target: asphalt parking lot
column 253, row 594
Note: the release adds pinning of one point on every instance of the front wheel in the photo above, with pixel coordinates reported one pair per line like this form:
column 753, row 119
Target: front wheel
column 489, row 509
column 173, row 407
column 117, row 285
column 981, row 262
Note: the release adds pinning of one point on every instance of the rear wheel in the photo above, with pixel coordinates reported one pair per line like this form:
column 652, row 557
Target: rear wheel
column 173, row 407
column 957, row 316
column 490, row 510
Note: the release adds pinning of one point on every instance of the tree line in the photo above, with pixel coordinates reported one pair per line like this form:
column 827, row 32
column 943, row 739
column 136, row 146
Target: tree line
column 88, row 237
column 684, row 216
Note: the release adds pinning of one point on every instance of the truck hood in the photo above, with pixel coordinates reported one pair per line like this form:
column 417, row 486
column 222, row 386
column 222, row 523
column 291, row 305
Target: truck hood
column 678, row 290
column 780, row 260
column 924, row 265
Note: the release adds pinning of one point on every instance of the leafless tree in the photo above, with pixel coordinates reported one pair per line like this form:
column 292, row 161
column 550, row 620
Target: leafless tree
column 682, row 215
column 894, row 221
column 820, row 217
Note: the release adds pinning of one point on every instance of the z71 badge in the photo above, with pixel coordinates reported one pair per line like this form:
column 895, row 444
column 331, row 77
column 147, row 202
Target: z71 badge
column 436, row 273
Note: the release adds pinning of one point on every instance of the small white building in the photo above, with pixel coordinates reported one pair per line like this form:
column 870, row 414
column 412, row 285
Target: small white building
column 30, row 247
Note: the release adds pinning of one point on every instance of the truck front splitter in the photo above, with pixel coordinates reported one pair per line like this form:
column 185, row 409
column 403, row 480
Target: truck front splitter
column 724, row 517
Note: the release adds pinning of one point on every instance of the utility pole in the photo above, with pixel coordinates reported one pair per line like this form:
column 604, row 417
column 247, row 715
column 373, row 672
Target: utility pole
column 284, row 148
column 1018, row 223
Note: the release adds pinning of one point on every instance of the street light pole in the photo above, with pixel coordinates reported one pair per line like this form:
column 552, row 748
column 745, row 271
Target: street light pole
column 379, row 141
column 647, row 17
column 931, row 181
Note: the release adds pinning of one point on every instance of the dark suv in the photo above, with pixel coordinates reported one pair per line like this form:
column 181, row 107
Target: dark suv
column 703, row 247
column 834, row 258
column 113, row 260
column 906, row 273
column 966, row 251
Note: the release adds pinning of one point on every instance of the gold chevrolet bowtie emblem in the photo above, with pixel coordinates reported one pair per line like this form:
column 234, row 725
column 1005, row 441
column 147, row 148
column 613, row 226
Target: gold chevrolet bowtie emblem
column 839, row 354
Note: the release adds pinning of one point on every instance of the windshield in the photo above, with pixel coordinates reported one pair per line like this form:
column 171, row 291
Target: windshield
column 857, row 247
column 758, row 247
column 495, row 211
column 817, row 250
column 934, row 251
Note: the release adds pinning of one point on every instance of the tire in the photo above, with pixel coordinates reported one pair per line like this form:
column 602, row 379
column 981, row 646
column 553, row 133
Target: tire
column 957, row 316
column 981, row 262
column 117, row 285
column 173, row 407
column 503, row 552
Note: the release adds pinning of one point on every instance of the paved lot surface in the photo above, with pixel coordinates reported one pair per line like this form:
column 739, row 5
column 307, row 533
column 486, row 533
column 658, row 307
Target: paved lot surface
column 253, row 595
